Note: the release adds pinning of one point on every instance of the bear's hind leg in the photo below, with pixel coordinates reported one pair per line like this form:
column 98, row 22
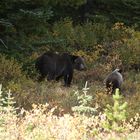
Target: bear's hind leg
column 68, row 79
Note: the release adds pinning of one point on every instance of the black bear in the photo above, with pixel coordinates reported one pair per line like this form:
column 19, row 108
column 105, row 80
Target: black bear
column 114, row 80
column 54, row 66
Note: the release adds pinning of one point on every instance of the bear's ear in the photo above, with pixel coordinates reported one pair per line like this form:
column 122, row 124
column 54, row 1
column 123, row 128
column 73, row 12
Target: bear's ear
column 73, row 57
column 120, row 71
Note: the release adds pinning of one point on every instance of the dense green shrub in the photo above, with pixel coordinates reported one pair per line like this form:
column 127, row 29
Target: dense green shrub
column 10, row 70
column 84, row 36
column 130, row 51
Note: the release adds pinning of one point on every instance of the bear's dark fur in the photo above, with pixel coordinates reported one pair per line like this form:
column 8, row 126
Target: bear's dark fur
column 54, row 66
column 114, row 80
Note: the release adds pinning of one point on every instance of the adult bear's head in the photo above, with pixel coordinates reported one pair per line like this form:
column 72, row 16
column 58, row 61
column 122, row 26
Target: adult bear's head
column 78, row 62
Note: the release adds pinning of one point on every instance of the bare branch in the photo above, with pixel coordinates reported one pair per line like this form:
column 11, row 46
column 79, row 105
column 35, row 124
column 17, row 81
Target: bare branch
column 3, row 43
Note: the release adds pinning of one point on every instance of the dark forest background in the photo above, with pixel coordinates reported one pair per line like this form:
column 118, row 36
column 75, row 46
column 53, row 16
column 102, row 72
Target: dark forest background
column 26, row 25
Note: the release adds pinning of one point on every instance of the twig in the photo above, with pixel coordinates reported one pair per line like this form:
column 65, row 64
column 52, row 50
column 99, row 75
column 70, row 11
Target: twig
column 3, row 43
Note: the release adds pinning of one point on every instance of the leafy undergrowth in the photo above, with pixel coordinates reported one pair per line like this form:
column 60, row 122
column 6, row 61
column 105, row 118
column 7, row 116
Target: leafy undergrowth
column 41, row 123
